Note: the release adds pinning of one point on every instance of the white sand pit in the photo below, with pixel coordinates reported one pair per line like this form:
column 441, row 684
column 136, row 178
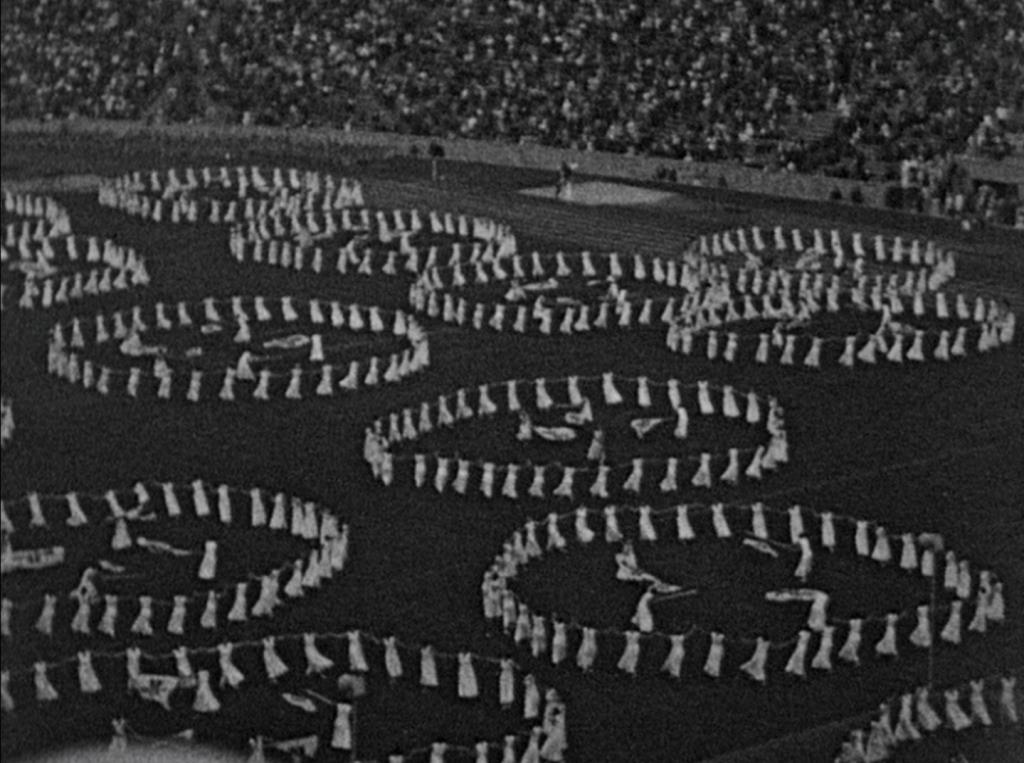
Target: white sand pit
column 596, row 193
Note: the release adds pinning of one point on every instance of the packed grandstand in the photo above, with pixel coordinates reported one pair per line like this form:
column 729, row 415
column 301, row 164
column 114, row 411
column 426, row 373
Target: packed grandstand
column 863, row 89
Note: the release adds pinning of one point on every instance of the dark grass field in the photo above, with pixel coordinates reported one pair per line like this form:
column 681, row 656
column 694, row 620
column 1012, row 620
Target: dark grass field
column 936, row 447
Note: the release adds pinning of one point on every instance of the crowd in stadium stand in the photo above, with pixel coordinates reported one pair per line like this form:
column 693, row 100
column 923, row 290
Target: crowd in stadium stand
column 705, row 79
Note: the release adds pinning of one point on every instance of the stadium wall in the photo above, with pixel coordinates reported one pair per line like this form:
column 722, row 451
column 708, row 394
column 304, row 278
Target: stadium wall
column 1008, row 171
column 715, row 174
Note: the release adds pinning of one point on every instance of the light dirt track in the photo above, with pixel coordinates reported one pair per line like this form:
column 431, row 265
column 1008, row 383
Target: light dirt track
column 57, row 184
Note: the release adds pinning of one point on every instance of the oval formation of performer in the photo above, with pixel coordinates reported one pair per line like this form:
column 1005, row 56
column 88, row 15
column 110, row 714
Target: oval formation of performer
column 346, row 244
column 291, row 219
column 804, row 321
column 317, row 684
column 122, row 599
column 149, row 534
column 849, row 254
column 714, row 589
column 45, row 265
column 223, row 195
column 554, row 293
column 154, row 563
column 239, row 347
column 583, row 438
column 809, row 305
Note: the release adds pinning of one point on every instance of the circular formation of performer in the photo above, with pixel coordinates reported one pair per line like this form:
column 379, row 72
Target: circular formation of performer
column 816, row 304
column 578, row 436
column 239, row 347
column 809, row 322
column 368, row 242
column 317, row 684
column 224, row 195
column 557, row 293
column 293, row 218
column 719, row 588
column 157, row 559
column 124, row 595
column 847, row 254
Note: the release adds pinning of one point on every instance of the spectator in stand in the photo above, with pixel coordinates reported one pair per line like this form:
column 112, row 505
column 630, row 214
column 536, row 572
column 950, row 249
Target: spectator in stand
column 706, row 79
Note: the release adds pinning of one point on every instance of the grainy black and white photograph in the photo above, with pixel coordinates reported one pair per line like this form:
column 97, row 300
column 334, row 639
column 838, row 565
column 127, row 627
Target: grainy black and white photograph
column 512, row 381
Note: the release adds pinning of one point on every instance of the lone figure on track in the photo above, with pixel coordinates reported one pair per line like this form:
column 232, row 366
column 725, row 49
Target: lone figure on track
column 563, row 188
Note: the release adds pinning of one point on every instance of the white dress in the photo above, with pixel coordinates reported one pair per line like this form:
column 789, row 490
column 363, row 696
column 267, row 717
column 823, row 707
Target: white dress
column 555, row 743
column 644, row 617
column 341, row 737
column 631, row 653
column 713, row 663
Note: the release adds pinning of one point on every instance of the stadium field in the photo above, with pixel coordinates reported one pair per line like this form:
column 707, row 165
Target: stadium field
column 936, row 447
